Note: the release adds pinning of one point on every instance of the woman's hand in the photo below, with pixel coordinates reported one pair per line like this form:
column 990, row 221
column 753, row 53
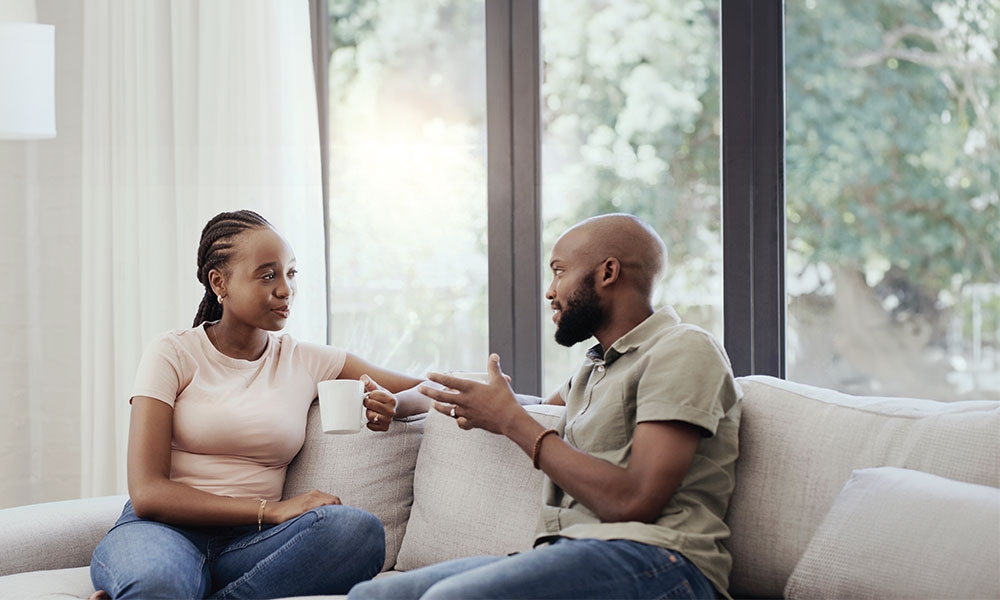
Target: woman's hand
column 380, row 405
column 279, row 512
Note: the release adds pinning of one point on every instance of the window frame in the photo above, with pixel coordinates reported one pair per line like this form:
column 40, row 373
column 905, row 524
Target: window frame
column 753, row 185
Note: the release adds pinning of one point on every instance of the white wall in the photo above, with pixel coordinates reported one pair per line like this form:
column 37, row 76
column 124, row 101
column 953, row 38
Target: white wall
column 40, row 243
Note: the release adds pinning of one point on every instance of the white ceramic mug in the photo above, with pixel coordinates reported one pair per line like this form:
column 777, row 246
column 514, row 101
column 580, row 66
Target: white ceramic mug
column 481, row 376
column 341, row 405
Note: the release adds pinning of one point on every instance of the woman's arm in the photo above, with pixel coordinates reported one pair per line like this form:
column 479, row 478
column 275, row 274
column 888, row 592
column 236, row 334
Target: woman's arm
column 409, row 400
column 154, row 496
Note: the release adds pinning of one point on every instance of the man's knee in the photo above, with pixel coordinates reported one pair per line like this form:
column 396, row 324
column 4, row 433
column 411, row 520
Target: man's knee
column 367, row 590
column 457, row 588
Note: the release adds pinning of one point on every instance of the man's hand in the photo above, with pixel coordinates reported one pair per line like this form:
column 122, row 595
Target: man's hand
column 490, row 406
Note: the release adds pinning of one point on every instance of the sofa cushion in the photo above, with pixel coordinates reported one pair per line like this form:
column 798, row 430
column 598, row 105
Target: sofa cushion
column 367, row 470
column 70, row 529
column 54, row 584
column 799, row 444
column 474, row 493
column 888, row 525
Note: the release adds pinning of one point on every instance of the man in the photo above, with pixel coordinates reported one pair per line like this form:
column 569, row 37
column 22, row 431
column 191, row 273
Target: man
column 640, row 475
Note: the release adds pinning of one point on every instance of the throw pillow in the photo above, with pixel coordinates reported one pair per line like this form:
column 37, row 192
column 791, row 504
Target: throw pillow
column 367, row 470
column 800, row 443
column 898, row 533
column 474, row 493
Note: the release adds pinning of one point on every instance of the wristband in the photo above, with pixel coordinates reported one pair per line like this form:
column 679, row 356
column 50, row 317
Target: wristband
column 538, row 445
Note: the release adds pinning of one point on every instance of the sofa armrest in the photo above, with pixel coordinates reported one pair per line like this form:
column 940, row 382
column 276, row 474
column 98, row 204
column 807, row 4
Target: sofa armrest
column 55, row 535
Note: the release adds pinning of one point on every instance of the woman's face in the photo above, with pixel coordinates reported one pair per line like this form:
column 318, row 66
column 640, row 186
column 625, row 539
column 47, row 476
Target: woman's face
column 261, row 282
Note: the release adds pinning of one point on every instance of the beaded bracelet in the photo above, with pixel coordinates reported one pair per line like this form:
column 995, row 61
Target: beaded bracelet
column 538, row 444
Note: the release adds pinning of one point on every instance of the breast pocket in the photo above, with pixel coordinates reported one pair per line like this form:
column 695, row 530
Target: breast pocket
column 606, row 423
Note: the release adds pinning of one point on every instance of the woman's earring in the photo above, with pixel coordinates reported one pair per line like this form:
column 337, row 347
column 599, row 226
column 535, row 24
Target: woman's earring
column 220, row 300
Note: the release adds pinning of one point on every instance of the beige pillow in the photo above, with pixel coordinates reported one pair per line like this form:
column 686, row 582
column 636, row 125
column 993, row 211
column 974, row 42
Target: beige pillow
column 800, row 443
column 897, row 533
column 474, row 493
column 367, row 470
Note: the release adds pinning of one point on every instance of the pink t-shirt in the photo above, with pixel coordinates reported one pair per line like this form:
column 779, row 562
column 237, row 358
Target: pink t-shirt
column 237, row 423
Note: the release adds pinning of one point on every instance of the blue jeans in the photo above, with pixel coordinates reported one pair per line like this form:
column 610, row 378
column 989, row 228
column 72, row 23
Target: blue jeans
column 323, row 551
column 568, row 568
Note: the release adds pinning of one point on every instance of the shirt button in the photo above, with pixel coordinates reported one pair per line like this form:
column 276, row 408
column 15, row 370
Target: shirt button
column 600, row 369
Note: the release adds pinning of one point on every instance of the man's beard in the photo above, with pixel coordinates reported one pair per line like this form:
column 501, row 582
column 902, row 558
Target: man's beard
column 581, row 315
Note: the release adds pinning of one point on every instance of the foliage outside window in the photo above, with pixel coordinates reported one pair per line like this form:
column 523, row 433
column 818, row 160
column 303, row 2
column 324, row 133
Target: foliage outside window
column 631, row 123
column 408, row 183
column 892, row 117
column 893, row 211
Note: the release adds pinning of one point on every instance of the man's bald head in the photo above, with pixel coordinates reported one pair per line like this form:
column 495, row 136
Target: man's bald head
column 635, row 244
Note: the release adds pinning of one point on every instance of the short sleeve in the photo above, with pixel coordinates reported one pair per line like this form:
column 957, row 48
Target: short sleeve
column 687, row 379
column 159, row 375
column 321, row 361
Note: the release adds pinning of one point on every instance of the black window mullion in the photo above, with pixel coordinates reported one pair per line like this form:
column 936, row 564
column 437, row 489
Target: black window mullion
column 513, row 162
column 753, row 198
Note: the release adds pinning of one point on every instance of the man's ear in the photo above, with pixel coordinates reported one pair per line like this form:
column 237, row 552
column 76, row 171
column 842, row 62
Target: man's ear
column 609, row 271
column 218, row 282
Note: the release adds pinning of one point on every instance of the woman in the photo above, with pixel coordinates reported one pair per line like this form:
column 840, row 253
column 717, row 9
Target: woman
column 218, row 412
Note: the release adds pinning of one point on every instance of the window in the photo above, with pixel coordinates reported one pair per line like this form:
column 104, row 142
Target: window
column 630, row 123
column 408, row 163
column 893, row 211
column 892, row 205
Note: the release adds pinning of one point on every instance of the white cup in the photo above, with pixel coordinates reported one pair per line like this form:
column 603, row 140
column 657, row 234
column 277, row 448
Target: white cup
column 481, row 376
column 341, row 405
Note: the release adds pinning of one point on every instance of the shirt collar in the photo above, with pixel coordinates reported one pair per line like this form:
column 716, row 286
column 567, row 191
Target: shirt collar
column 640, row 334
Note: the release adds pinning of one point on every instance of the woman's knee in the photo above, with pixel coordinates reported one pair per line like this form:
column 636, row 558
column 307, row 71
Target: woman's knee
column 141, row 560
column 360, row 529
column 148, row 580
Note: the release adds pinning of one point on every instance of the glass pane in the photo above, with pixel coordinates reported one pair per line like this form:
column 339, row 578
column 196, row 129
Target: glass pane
column 630, row 123
column 408, row 268
column 893, row 212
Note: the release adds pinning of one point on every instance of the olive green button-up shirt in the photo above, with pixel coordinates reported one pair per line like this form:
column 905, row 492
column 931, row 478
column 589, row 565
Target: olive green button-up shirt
column 662, row 370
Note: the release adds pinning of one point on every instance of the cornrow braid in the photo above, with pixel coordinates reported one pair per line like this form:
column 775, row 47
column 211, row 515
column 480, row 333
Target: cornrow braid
column 214, row 252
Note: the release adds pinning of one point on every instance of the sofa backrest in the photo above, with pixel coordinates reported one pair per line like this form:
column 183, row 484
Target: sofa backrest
column 799, row 445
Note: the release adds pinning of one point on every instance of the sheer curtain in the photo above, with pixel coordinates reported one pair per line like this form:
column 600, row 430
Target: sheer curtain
column 189, row 109
column 40, row 261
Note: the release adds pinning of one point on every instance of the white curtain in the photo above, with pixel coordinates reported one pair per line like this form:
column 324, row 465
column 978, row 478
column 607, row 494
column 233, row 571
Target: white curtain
column 40, row 251
column 189, row 109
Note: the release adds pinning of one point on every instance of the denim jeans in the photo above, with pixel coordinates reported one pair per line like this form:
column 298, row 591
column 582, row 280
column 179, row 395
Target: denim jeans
column 568, row 568
column 323, row 551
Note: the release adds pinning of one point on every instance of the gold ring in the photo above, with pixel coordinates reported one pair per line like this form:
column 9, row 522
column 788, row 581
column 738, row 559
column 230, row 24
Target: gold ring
column 453, row 413
column 375, row 420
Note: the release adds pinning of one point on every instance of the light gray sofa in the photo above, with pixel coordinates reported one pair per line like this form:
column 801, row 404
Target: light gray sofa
column 814, row 513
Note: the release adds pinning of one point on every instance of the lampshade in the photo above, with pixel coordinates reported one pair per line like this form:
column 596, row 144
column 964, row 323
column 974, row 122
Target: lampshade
column 27, row 81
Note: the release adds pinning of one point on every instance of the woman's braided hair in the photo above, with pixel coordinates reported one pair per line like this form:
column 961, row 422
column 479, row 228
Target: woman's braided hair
column 214, row 252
